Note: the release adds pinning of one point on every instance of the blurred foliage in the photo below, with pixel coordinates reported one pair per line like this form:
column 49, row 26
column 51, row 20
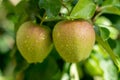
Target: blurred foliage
column 104, row 14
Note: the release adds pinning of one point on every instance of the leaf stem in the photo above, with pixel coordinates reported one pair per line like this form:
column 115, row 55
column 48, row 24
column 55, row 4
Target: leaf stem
column 94, row 19
column 106, row 46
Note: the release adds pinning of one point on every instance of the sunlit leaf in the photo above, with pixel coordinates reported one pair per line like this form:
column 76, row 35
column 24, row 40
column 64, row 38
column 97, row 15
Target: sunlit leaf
column 106, row 23
column 109, row 69
column 111, row 7
column 92, row 67
column 111, row 10
column 111, row 2
column 83, row 9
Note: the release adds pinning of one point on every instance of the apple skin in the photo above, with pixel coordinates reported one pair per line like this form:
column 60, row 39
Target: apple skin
column 34, row 41
column 74, row 39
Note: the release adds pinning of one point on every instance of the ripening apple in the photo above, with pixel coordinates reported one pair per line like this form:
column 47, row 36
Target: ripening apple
column 74, row 39
column 34, row 41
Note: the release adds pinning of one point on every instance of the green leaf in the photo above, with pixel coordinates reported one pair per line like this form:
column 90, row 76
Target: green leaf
column 92, row 67
column 103, row 21
column 83, row 9
column 27, row 8
column 111, row 7
column 104, row 32
column 117, row 49
column 52, row 7
column 111, row 10
column 112, row 43
column 20, row 9
column 44, row 71
column 106, row 23
column 111, row 2
column 99, row 2
column 8, row 6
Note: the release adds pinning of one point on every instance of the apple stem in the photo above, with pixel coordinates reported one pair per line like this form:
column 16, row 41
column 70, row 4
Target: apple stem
column 43, row 18
column 106, row 46
column 39, row 16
